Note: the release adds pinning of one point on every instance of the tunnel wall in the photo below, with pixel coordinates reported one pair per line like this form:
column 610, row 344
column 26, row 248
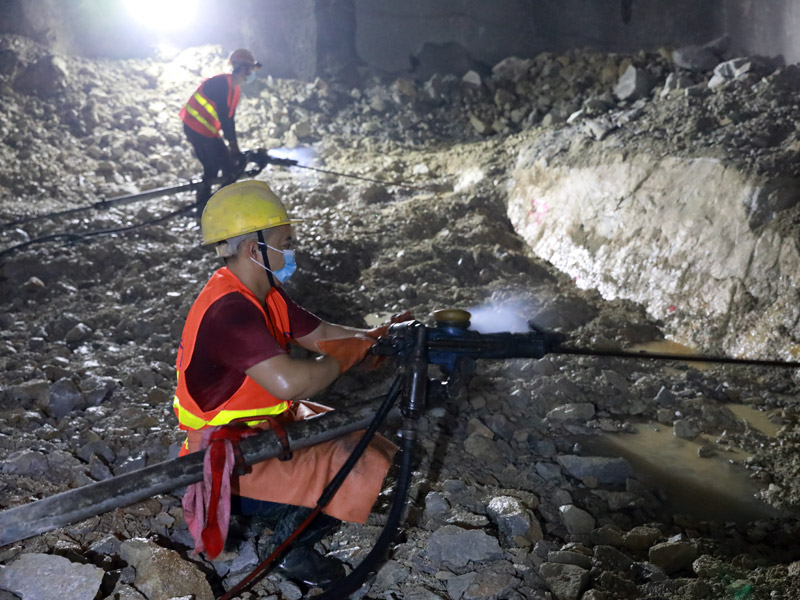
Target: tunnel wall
column 305, row 38
column 673, row 234
column 766, row 28
column 389, row 32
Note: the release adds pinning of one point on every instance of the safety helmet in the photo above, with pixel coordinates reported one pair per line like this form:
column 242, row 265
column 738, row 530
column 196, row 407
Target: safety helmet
column 240, row 208
column 243, row 57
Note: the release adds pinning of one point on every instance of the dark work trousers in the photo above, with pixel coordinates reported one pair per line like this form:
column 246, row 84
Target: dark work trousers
column 214, row 156
column 282, row 519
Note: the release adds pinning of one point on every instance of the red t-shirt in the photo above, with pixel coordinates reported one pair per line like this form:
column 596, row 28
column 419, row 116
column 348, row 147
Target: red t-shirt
column 233, row 337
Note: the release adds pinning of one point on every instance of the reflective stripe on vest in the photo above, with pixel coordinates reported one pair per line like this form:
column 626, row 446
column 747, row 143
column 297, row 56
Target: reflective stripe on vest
column 250, row 401
column 250, row 417
column 200, row 113
column 215, row 126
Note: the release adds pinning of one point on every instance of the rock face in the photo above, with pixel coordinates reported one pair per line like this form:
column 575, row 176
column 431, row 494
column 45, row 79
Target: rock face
column 162, row 573
column 674, row 234
column 49, row 577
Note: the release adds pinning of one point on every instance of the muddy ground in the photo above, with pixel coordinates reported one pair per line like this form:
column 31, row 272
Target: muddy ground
column 507, row 500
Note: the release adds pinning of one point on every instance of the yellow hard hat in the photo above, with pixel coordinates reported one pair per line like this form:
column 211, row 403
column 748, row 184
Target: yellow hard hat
column 240, row 208
column 244, row 57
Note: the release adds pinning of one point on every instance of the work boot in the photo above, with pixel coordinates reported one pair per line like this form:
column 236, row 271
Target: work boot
column 306, row 565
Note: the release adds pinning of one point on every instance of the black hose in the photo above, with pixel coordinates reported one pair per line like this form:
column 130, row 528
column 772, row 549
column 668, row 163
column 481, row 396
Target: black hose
column 77, row 237
column 353, row 581
column 330, row 490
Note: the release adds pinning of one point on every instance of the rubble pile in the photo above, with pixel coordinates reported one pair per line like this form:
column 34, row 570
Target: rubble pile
column 508, row 500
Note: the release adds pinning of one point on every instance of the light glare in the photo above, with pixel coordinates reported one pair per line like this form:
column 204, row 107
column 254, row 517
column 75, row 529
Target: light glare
column 163, row 15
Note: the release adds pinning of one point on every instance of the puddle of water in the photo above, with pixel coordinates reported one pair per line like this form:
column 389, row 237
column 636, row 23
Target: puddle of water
column 713, row 489
column 670, row 347
column 756, row 418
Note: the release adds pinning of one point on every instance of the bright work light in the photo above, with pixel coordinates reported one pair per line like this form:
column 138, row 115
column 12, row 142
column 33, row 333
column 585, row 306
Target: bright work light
column 163, row 15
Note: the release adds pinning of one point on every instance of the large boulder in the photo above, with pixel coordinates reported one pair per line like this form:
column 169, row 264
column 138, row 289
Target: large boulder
column 46, row 77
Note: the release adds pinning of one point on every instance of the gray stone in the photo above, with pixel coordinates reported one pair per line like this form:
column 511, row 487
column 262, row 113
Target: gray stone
column 482, row 448
column 607, row 471
column 634, row 84
column 568, row 557
column 50, row 577
column 672, row 556
column 109, row 546
column 647, row 571
column 611, row 559
column 149, row 136
column 490, row 584
column 33, row 285
column 98, row 390
column 716, row 81
column 641, row 538
column 665, row 397
column 684, row 429
column 98, row 469
column 512, row 69
column 607, row 535
column 25, row 462
column 675, row 81
column 513, row 519
column 472, row 79
column 455, row 548
column 708, row 567
column 480, row 125
column 578, row 411
column 617, row 381
column 46, row 77
column 567, row 582
column 619, row 500
column 436, row 505
column 548, row 471
column 695, row 58
column 162, row 573
column 37, row 390
column 503, row 97
column 64, row 398
column 599, row 128
column 730, row 68
column 456, row 586
column 576, row 520
column 391, row 574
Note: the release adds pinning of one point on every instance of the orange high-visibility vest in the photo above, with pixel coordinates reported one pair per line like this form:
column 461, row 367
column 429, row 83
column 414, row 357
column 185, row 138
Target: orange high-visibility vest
column 250, row 403
column 200, row 113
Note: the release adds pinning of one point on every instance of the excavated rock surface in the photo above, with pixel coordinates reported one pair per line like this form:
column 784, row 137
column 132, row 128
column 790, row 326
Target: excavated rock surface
column 508, row 500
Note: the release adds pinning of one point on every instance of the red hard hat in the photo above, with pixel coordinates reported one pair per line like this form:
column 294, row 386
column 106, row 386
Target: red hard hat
column 244, row 57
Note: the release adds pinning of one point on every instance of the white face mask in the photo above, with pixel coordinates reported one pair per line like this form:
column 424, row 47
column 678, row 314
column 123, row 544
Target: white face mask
column 251, row 77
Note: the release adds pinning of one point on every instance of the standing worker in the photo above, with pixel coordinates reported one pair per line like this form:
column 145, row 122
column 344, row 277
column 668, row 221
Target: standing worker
column 208, row 116
column 234, row 367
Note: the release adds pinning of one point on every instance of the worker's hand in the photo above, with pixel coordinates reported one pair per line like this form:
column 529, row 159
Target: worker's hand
column 374, row 361
column 384, row 329
column 348, row 351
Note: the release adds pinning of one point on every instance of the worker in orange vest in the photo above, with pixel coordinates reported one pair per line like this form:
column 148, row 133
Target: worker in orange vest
column 234, row 366
column 208, row 117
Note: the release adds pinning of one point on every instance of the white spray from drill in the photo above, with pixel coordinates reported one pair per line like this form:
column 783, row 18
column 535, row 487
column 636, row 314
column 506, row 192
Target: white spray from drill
column 510, row 315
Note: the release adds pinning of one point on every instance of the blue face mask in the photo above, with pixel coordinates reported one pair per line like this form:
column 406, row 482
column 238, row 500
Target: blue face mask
column 289, row 265
column 251, row 77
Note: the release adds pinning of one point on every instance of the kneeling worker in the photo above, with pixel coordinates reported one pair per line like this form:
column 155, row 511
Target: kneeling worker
column 209, row 114
column 234, row 366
